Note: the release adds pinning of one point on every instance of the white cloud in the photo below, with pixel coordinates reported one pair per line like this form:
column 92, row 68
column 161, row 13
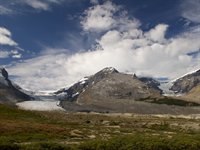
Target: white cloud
column 17, row 56
column 4, row 54
column 158, row 33
column 5, row 37
column 94, row 1
column 43, row 5
column 99, row 17
column 5, row 11
column 107, row 16
column 54, row 71
column 191, row 10
column 125, row 47
column 37, row 4
column 14, row 7
column 10, row 53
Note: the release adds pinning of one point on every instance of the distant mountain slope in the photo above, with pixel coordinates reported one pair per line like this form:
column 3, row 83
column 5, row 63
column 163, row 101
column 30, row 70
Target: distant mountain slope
column 9, row 92
column 107, row 86
column 186, row 83
column 193, row 95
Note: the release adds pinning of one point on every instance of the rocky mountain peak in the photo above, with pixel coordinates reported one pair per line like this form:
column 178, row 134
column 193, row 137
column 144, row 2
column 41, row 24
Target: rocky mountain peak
column 73, row 92
column 4, row 73
column 108, row 70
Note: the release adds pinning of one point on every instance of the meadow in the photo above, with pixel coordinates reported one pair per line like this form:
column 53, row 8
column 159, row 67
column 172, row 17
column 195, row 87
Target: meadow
column 34, row 130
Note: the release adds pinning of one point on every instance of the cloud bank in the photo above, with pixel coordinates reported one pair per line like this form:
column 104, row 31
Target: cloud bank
column 123, row 45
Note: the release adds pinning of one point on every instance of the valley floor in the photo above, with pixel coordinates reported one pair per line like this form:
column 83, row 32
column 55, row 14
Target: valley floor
column 31, row 130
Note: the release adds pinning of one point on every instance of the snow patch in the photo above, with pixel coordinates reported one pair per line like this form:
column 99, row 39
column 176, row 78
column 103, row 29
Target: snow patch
column 77, row 93
column 63, row 94
column 165, row 87
column 83, row 80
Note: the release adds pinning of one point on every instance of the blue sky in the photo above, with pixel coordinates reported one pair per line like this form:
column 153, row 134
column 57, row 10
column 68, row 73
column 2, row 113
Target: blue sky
column 57, row 42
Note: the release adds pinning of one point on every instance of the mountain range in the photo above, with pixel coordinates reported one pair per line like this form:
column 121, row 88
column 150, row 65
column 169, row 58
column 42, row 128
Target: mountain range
column 112, row 91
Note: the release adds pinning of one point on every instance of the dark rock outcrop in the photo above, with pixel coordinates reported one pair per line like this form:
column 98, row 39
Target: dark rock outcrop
column 9, row 92
column 151, row 83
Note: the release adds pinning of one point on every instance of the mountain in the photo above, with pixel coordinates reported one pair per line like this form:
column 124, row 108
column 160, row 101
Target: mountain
column 10, row 93
column 186, row 83
column 108, row 87
column 109, row 83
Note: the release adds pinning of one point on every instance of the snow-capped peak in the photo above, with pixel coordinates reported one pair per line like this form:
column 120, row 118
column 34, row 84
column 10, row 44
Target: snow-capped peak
column 109, row 70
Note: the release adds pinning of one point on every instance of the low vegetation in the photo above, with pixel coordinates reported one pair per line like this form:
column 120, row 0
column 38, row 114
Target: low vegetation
column 29, row 130
column 170, row 101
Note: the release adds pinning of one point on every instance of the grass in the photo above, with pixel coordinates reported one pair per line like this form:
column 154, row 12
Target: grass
column 29, row 130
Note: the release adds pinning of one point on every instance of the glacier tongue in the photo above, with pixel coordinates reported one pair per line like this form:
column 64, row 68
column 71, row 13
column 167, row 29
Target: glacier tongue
column 40, row 105
column 45, row 101
column 165, row 87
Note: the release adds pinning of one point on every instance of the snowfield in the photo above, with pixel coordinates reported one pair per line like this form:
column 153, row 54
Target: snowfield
column 42, row 105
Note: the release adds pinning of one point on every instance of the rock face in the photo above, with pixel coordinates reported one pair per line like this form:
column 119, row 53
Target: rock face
column 186, row 83
column 151, row 83
column 193, row 95
column 107, row 86
column 9, row 92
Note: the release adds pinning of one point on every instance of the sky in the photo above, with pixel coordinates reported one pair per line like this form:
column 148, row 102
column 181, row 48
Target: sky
column 51, row 44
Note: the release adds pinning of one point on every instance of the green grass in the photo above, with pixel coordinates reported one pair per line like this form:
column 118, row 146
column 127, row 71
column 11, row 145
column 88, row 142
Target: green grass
column 29, row 130
column 141, row 142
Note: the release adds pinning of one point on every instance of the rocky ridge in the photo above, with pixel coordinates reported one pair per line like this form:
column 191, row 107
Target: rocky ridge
column 10, row 93
column 186, row 83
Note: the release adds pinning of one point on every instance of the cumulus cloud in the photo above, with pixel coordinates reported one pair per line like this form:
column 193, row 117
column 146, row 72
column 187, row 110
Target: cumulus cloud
column 107, row 16
column 191, row 10
column 158, row 33
column 5, row 37
column 99, row 17
column 123, row 45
